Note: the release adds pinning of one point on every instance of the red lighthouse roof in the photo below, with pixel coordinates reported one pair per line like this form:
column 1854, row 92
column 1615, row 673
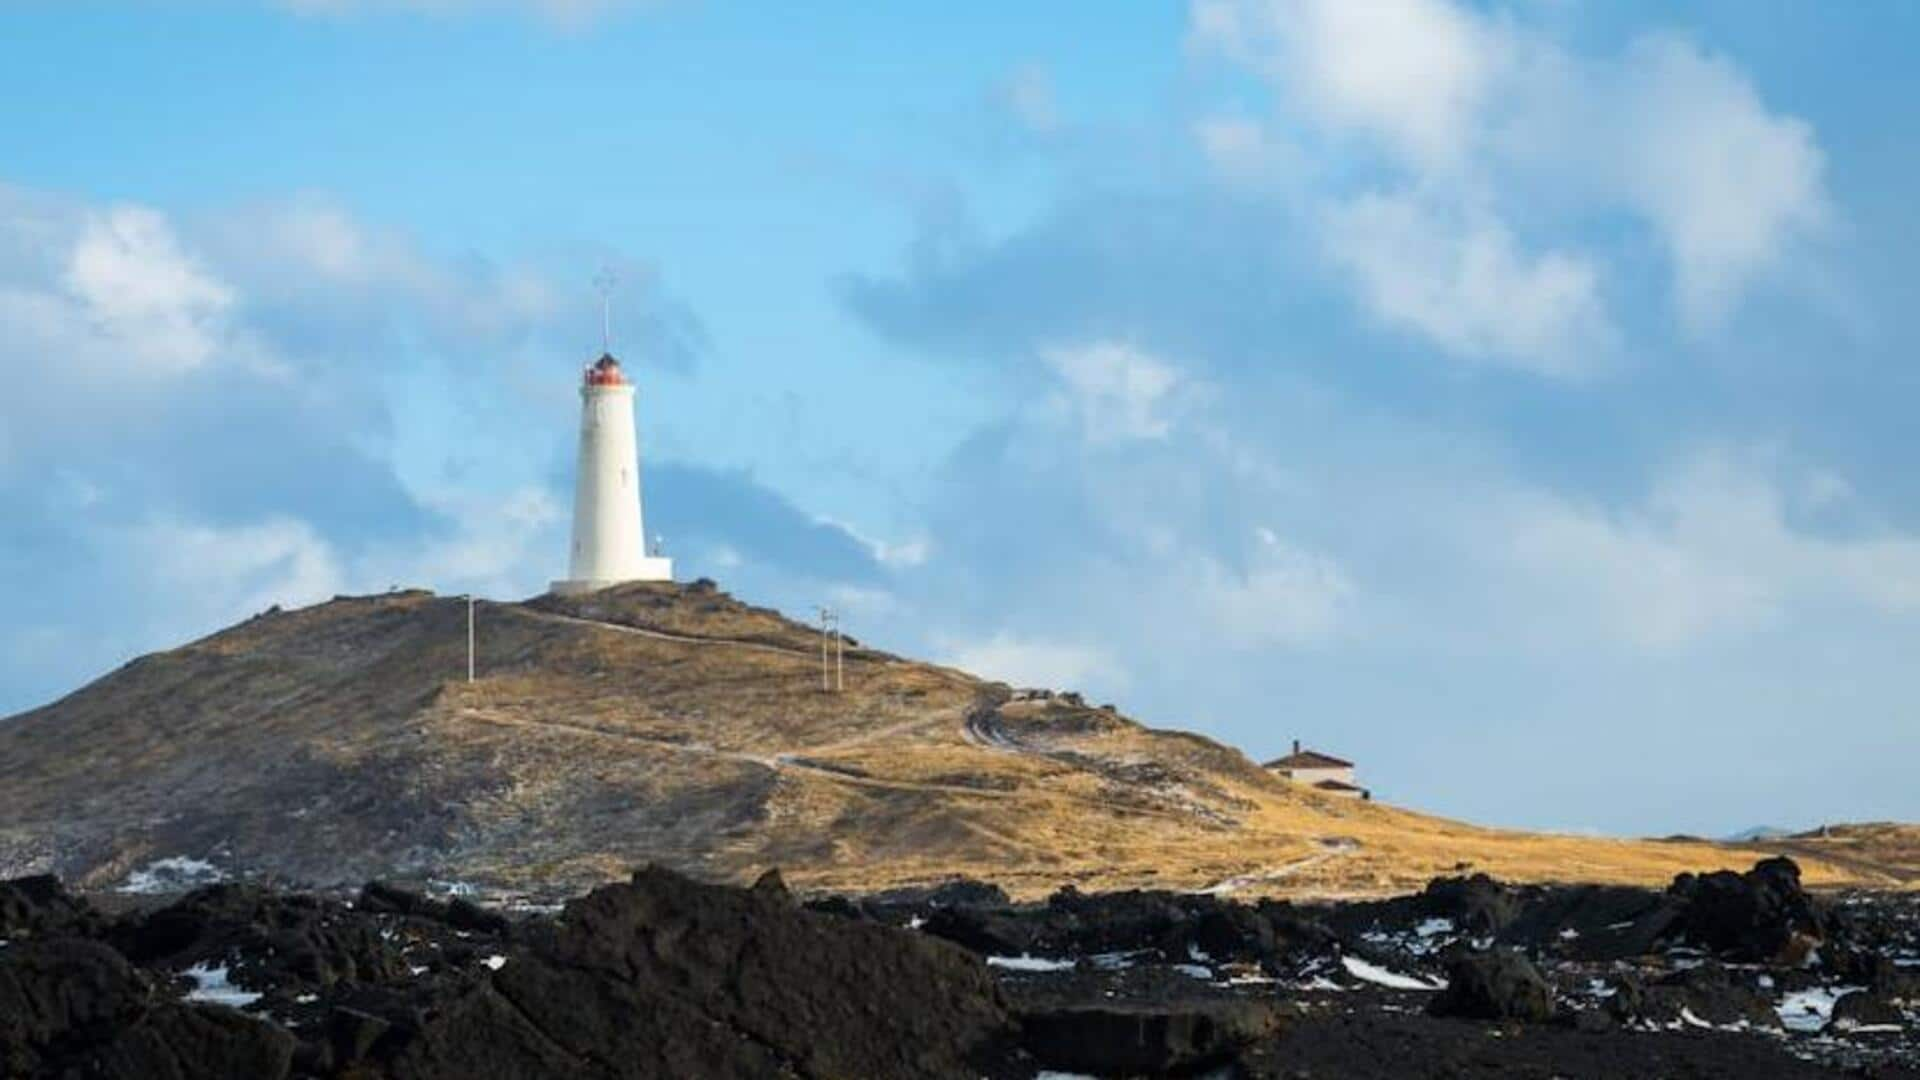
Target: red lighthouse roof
column 605, row 372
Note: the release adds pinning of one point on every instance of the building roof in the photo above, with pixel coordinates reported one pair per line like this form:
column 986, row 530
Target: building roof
column 1308, row 759
column 1338, row 785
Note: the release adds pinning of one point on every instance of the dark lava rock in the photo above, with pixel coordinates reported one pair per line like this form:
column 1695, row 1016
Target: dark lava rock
column 1478, row 905
column 1751, row 917
column 1628, row 1000
column 839, row 906
column 668, row 977
column 987, row 932
column 1878, row 973
column 1864, row 1008
column 268, row 939
column 1494, row 986
column 960, row 892
column 1130, row 1040
column 1410, row 1046
column 458, row 913
column 1297, row 932
column 772, row 886
column 58, row 992
column 1231, row 931
column 1594, row 922
column 1712, row 994
column 70, row 1007
column 41, row 907
column 1118, row 921
column 183, row 1042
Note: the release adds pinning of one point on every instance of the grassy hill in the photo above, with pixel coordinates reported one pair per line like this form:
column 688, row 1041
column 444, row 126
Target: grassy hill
column 674, row 724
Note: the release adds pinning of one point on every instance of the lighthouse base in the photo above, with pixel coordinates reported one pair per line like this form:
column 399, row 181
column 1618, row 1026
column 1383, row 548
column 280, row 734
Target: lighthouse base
column 650, row 569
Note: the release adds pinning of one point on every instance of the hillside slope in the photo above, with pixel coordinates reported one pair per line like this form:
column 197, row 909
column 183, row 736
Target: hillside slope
column 674, row 724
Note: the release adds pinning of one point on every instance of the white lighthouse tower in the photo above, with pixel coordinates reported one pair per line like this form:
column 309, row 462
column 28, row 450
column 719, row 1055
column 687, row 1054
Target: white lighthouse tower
column 609, row 542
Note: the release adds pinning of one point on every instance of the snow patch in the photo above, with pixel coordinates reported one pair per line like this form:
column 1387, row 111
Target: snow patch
column 1380, row 976
column 211, row 985
column 1809, row 1010
column 495, row 962
column 1434, row 927
column 174, row 874
column 1024, row 962
column 1194, row 971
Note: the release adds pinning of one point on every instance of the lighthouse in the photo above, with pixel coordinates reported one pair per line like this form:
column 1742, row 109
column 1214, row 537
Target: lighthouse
column 609, row 540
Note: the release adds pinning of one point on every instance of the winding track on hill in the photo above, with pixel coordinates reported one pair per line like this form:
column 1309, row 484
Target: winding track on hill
column 977, row 726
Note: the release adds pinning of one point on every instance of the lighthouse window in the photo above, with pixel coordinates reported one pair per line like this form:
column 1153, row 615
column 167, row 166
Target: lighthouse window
column 623, row 478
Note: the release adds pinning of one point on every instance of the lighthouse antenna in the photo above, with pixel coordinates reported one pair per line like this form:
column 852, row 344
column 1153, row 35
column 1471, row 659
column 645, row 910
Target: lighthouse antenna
column 603, row 282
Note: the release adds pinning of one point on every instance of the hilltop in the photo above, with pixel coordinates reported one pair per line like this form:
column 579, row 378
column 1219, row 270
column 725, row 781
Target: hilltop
column 674, row 724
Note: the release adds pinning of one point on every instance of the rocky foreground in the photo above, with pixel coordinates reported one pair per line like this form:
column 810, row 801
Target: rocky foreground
column 1720, row 975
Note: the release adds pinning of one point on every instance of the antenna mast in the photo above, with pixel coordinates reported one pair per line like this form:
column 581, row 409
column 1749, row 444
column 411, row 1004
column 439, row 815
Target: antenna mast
column 603, row 283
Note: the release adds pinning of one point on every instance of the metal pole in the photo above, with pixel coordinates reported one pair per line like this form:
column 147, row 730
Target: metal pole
column 839, row 658
column 469, row 637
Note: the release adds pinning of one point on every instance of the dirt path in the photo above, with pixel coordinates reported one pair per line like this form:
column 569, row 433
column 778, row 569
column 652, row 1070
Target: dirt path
column 776, row 762
column 976, row 726
column 659, row 635
column 1234, row 884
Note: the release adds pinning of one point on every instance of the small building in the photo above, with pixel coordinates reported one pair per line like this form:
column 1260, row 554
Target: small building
column 1321, row 771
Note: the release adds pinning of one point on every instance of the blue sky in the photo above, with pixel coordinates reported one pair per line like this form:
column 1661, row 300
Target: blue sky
column 1517, row 399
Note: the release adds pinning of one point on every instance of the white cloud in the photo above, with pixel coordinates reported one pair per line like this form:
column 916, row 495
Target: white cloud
column 1026, row 95
column 903, row 555
column 1245, row 151
column 498, row 544
column 1730, row 186
column 1466, row 284
column 1033, row 662
column 208, row 575
column 1413, row 73
column 1711, row 552
column 157, row 306
column 1117, row 392
column 284, row 250
column 1492, row 121
column 1283, row 596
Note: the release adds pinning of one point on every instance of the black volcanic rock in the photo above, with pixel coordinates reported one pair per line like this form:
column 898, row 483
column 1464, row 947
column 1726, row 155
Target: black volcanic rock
column 183, row 1042
column 984, row 931
column 1754, row 917
column 70, row 1007
column 1128, row 1040
column 668, row 977
column 269, row 939
column 1477, row 905
column 40, row 906
column 1494, row 986
column 1864, row 1008
column 1712, row 993
column 664, row 976
column 57, row 992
